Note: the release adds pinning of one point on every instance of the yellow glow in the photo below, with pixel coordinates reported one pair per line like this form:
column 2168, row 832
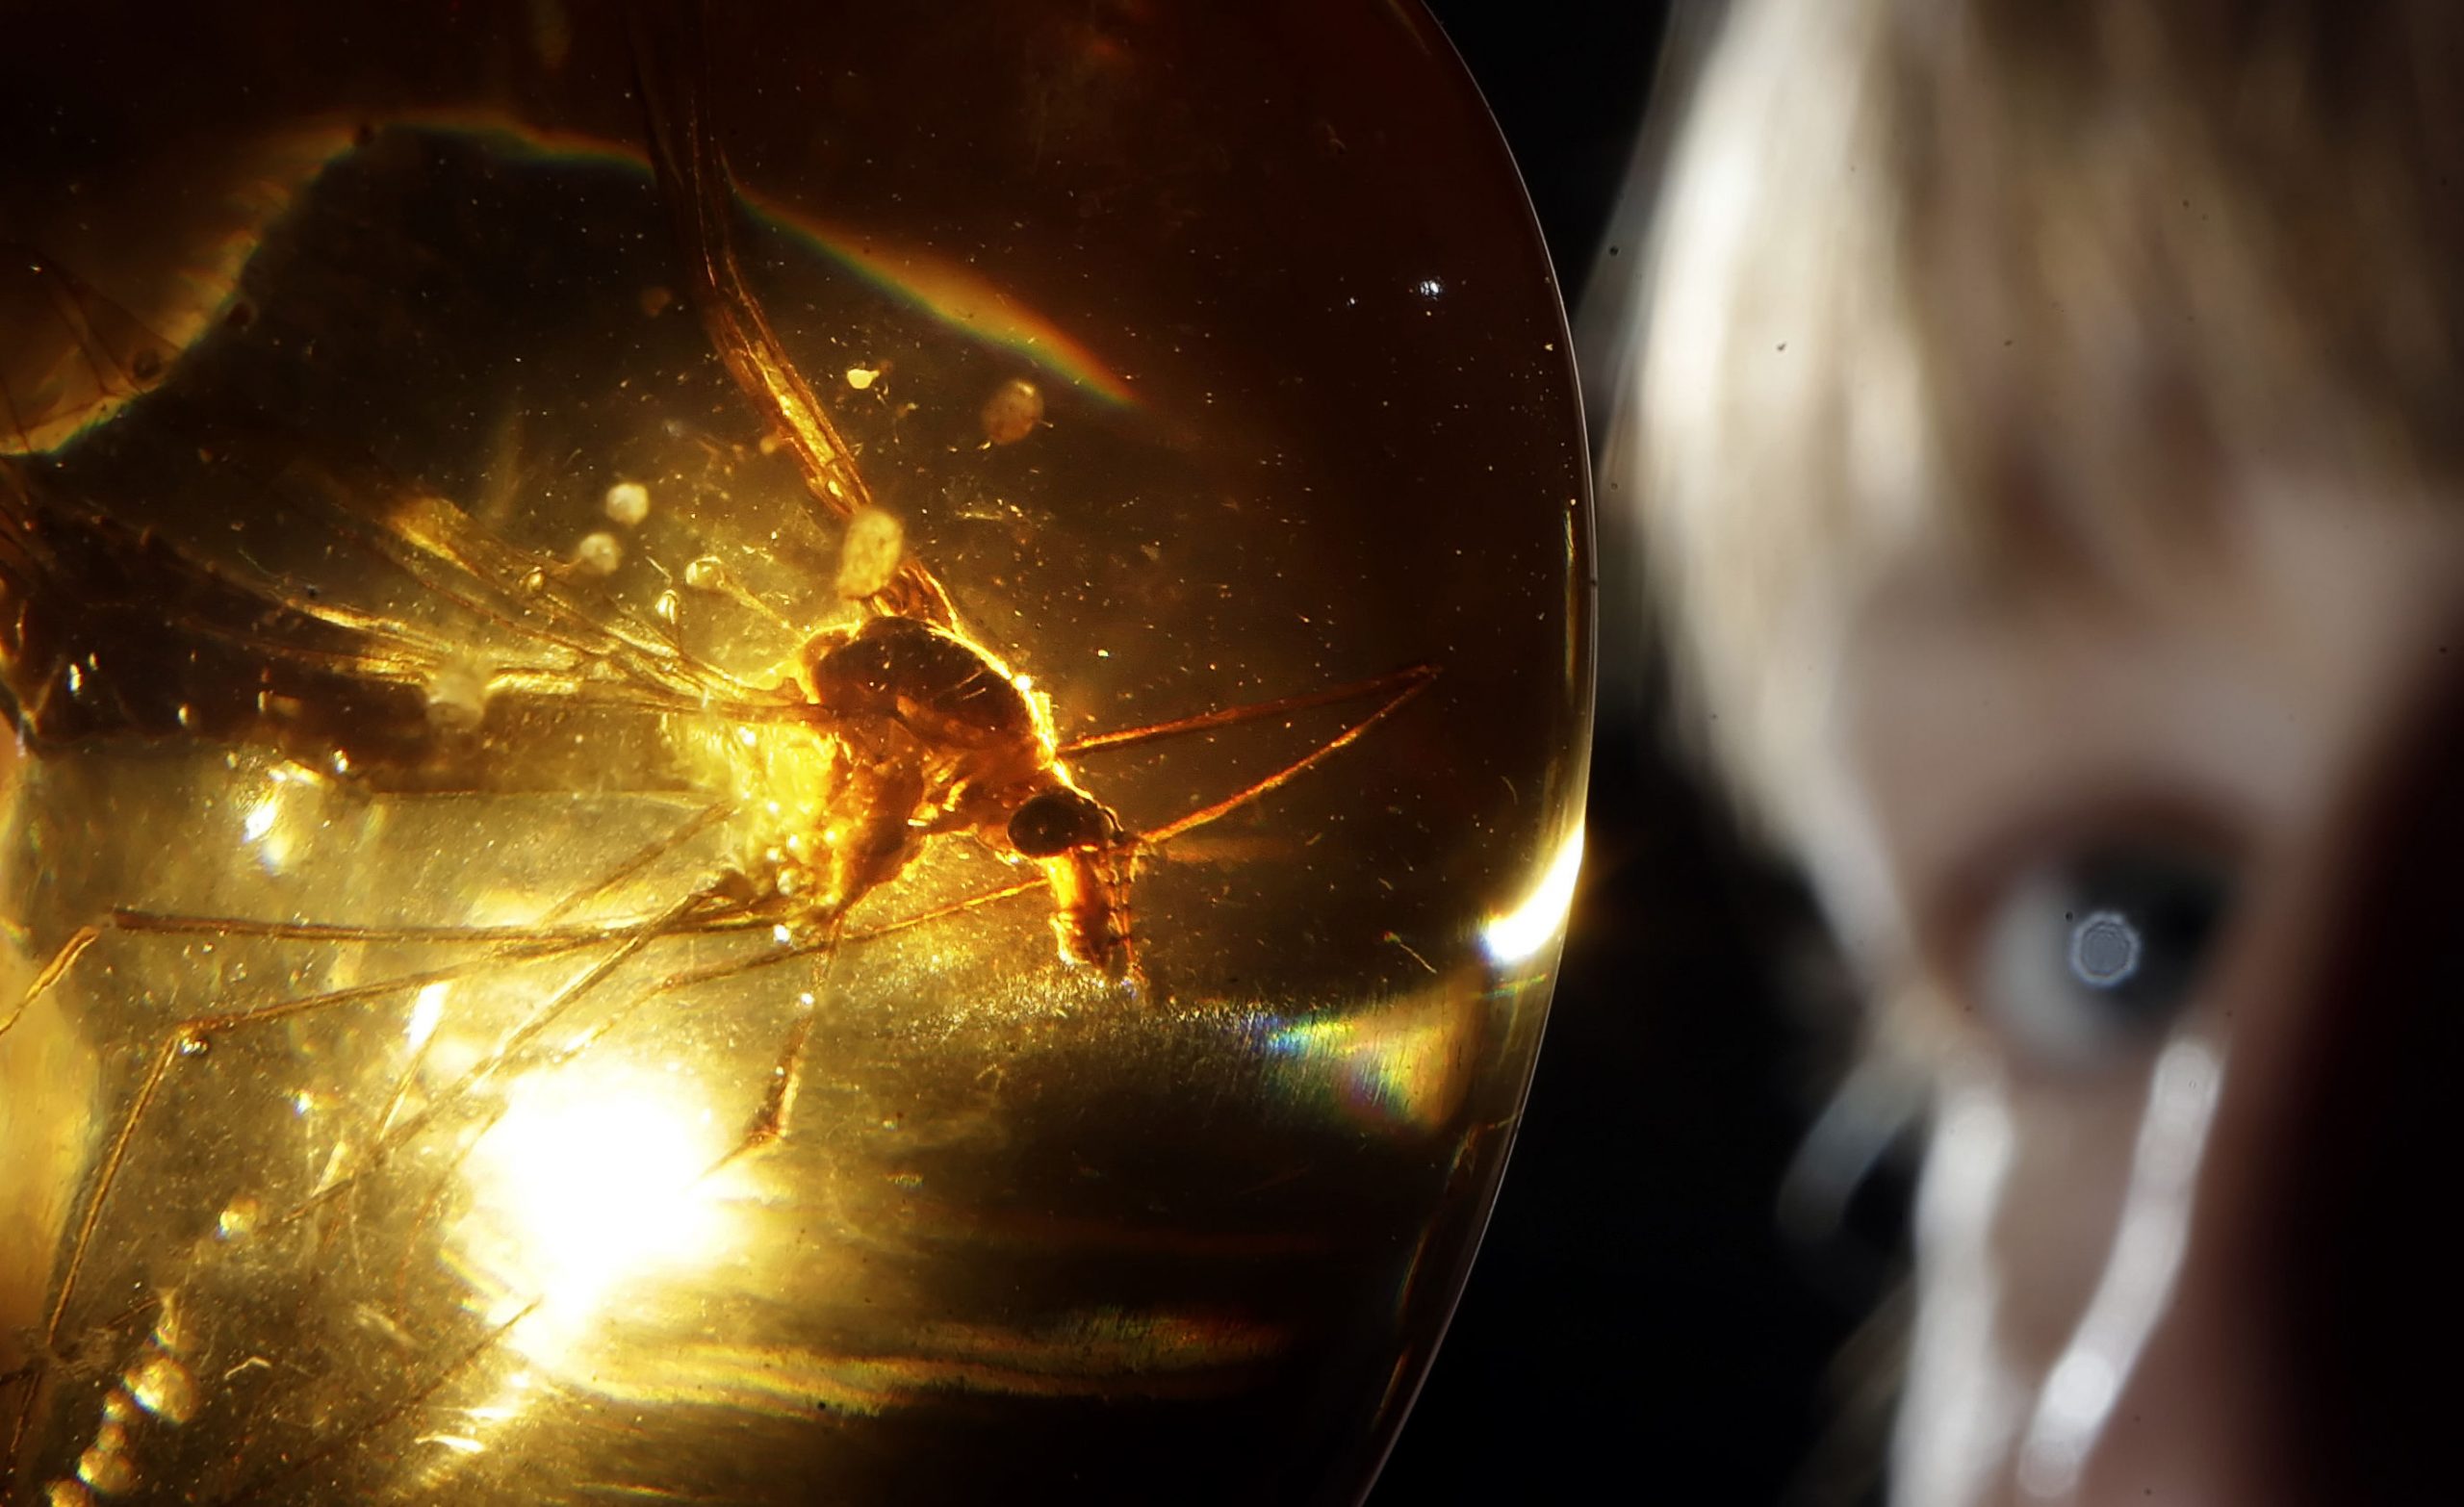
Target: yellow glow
column 592, row 1183
column 1532, row 925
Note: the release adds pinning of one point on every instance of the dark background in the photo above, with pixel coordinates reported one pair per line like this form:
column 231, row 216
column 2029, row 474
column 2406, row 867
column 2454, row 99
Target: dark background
column 1636, row 1328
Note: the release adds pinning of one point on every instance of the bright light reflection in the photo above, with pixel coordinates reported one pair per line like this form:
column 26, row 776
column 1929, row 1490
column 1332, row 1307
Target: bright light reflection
column 263, row 828
column 260, row 818
column 2146, row 1256
column 1521, row 933
column 426, row 1012
column 594, row 1182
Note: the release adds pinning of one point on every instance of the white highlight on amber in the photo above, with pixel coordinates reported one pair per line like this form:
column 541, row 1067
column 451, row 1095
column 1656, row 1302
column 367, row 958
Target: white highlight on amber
column 459, row 1443
column 595, row 1179
column 1521, row 933
column 263, row 828
column 426, row 1012
column 260, row 819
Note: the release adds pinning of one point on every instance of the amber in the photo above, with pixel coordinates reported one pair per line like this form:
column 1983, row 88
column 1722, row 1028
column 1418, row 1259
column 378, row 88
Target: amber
column 447, row 1050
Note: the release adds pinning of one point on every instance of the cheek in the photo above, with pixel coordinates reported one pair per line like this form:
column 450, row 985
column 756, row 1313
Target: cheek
column 2052, row 1229
column 2022, row 1194
column 2041, row 1230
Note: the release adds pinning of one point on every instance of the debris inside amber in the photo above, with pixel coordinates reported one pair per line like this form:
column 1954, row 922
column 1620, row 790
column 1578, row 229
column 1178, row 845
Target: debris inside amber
column 809, row 753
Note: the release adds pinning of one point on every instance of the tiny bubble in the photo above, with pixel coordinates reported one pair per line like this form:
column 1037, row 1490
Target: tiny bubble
column 239, row 1218
column 457, row 696
column 628, row 503
column 597, row 554
column 1012, row 412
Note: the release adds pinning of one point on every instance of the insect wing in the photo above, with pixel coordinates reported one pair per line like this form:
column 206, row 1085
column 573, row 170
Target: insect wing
column 701, row 201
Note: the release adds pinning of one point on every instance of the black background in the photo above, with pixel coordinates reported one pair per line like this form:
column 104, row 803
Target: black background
column 1636, row 1329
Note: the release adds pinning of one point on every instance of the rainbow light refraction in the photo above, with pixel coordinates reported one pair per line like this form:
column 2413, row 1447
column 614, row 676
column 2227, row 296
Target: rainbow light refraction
column 952, row 291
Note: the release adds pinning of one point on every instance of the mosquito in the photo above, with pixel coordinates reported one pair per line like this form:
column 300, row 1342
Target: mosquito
column 922, row 732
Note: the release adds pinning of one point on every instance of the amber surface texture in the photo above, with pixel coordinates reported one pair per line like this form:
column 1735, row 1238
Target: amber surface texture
column 808, row 753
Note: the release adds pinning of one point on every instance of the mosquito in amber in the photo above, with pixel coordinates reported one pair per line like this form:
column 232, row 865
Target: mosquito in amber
column 911, row 730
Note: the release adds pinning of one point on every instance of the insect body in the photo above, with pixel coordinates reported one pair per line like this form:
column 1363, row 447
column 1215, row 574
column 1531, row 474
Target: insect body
column 935, row 734
column 938, row 737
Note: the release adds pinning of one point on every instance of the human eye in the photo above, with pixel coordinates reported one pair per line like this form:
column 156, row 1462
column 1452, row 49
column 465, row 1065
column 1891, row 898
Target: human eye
column 2091, row 950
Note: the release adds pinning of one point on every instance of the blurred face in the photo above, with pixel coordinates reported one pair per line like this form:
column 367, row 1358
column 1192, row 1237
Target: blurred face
column 2165, row 867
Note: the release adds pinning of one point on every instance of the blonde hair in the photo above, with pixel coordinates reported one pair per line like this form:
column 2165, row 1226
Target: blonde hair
column 2022, row 285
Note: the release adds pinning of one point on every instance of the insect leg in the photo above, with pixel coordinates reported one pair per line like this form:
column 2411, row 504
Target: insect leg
column 387, row 1413
column 188, row 1034
column 1397, row 689
column 694, row 914
column 631, row 868
column 770, row 1122
column 61, row 962
column 556, row 1008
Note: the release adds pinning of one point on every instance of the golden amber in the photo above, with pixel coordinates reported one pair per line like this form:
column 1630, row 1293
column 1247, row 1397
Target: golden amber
column 796, row 753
